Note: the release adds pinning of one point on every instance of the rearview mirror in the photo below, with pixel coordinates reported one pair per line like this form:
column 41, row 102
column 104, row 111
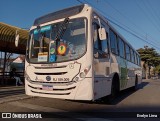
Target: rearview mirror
column 102, row 34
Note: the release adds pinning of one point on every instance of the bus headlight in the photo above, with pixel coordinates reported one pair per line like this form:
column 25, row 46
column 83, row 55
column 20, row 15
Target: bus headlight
column 76, row 79
column 82, row 74
column 27, row 77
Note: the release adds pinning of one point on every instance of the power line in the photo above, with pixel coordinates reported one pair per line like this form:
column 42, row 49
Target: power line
column 80, row 1
column 133, row 34
column 153, row 9
column 149, row 8
column 105, row 2
column 151, row 21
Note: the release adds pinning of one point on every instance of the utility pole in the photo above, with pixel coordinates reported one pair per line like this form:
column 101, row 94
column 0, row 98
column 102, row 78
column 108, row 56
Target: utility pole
column 1, row 60
column 4, row 66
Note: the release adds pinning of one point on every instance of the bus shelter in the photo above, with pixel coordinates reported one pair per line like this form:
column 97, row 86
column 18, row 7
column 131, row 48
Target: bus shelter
column 7, row 43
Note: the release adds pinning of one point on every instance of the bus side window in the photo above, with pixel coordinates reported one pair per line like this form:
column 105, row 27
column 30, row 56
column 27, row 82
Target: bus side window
column 128, row 53
column 138, row 60
column 135, row 57
column 132, row 55
column 121, row 47
column 97, row 43
column 104, row 44
column 113, row 42
column 100, row 46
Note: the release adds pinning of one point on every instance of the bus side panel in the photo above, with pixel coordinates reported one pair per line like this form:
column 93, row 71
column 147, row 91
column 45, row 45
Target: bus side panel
column 102, row 87
column 85, row 90
column 131, row 75
column 102, row 79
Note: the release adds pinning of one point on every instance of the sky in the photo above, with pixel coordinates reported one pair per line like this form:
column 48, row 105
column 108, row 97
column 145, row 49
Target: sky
column 140, row 17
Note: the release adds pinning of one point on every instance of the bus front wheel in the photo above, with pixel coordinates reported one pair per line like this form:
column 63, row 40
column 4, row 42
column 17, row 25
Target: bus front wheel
column 114, row 90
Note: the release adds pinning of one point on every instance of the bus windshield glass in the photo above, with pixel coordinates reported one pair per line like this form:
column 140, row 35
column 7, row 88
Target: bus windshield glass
column 44, row 47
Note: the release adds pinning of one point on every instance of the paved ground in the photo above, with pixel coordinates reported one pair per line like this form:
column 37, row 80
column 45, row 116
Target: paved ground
column 143, row 102
column 12, row 93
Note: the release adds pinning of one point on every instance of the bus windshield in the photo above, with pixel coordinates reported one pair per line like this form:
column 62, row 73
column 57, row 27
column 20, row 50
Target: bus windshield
column 45, row 48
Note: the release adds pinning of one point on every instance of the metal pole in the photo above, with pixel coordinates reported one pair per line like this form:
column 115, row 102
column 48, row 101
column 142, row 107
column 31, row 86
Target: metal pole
column 1, row 60
column 4, row 66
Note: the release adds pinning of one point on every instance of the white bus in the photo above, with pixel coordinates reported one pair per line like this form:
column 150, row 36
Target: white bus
column 76, row 54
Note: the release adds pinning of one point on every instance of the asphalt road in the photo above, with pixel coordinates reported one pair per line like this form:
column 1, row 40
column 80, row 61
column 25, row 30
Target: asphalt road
column 143, row 104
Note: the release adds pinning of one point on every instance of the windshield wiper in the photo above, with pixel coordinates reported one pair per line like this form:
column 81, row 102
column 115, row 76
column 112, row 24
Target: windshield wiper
column 41, row 43
column 62, row 29
column 53, row 44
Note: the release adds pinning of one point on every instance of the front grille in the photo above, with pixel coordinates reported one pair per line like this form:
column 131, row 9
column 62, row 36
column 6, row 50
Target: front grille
column 40, row 82
column 56, row 73
column 65, row 89
column 50, row 93
column 50, row 67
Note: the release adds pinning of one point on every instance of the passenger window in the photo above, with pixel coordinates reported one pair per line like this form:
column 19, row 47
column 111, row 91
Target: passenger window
column 121, row 48
column 104, row 44
column 138, row 60
column 100, row 46
column 113, row 42
column 128, row 54
column 132, row 55
column 97, row 41
column 135, row 57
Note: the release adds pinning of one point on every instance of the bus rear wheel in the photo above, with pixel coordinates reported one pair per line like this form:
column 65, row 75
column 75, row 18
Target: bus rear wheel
column 135, row 87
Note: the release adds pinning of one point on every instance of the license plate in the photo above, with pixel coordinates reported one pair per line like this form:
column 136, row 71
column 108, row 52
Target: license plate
column 47, row 87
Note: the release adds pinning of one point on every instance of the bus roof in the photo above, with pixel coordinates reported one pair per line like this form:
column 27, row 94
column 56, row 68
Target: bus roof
column 67, row 12
column 59, row 14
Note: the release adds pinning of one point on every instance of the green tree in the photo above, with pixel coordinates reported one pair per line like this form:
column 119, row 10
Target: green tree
column 150, row 57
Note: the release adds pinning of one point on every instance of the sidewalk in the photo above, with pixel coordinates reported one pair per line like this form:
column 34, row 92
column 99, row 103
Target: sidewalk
column 12, row 93
column 149, row 80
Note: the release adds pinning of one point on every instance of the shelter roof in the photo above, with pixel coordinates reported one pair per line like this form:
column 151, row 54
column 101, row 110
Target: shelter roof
column 7, row 39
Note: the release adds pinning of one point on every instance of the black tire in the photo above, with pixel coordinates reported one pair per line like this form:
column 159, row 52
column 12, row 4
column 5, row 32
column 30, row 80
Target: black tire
column 114, row 91
column 135, row 87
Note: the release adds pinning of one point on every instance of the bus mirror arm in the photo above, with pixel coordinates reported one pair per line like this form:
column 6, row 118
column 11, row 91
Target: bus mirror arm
column 101, row 30
column 96, row 55
column 101, row 55
column 105, row 55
